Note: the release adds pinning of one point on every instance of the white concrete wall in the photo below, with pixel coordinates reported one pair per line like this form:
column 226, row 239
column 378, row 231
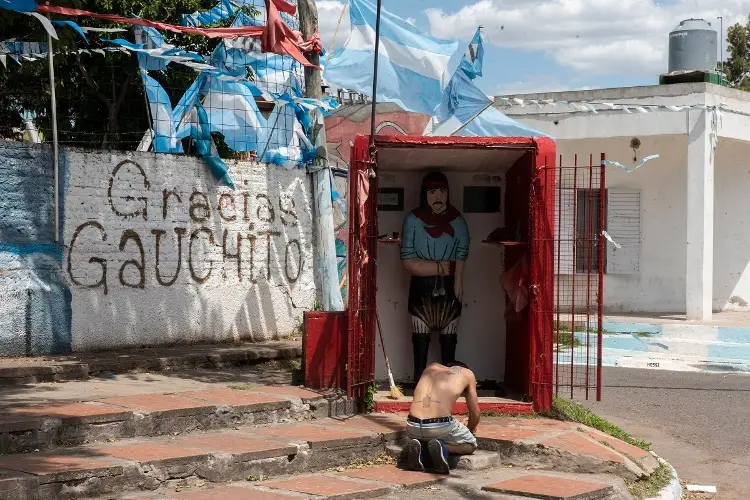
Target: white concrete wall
column 151, row 250
column 732, row 226
column 481, row 337
column 660, row 286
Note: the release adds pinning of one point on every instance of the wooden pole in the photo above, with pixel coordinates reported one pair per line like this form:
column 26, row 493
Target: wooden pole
column 325, row 242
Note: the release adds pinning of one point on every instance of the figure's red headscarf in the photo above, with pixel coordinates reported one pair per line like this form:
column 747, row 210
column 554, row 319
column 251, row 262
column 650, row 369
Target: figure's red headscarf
column 437, row 224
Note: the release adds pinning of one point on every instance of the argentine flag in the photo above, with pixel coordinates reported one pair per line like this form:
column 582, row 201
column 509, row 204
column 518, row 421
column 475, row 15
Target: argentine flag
column 465, row 110
column 165, row 135
column 411, row 67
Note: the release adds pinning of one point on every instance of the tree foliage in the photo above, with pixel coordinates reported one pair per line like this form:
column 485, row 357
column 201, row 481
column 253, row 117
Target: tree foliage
column 100, row 99
column 737, row 67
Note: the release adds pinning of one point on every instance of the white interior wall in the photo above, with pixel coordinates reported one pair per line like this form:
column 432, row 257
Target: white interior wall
column 660, row 286
column 481, row 340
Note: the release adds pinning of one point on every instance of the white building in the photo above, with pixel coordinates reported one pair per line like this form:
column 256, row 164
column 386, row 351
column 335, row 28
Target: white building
column 690, row 208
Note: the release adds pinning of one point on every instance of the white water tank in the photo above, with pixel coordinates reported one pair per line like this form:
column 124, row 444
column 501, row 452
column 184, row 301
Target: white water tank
column 693, row 46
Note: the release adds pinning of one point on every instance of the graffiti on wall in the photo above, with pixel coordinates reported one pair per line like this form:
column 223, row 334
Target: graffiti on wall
column 341, row 129
column 177, row 227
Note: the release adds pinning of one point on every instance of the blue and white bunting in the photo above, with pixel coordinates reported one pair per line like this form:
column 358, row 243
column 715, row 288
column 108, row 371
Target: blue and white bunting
column 224, row 10
column 411, row 67
column 232, row 111
column 165, row 135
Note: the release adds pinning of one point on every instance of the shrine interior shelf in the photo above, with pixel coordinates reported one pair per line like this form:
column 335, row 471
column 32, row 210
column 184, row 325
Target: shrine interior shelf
column 505, row 243
column 390, row 241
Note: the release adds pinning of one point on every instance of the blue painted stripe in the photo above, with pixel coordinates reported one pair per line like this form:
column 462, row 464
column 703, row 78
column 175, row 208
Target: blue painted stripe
column 364, row 13
column 736, row 335
column 32, row 248
column 729, row 351
column 611, row 326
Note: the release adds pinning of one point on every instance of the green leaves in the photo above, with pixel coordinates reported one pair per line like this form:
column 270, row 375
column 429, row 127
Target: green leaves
column 737, row 67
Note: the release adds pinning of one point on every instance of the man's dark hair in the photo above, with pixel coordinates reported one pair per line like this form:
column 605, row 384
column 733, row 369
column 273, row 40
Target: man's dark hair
column 457, row 363
column 434, row 180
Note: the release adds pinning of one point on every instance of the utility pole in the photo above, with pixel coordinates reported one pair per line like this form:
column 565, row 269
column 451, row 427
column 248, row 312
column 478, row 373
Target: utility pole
column 325, row 241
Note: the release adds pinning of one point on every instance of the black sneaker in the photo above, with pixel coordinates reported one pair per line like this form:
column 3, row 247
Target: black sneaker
column 414, row 455
column 439, row 455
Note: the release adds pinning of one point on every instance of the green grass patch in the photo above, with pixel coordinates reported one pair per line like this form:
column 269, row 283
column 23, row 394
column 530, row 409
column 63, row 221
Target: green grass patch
column 564, row 340
column 565, row 409
column 650, row 486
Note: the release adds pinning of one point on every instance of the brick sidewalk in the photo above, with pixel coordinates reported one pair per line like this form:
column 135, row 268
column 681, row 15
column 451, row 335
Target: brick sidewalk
column 247, row 433
column 206, row 438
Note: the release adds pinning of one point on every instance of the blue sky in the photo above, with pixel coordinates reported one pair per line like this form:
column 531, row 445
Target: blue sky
column 549, row 45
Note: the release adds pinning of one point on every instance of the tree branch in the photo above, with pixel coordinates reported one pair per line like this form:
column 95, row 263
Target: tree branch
column 91, row 82
column 124, row 92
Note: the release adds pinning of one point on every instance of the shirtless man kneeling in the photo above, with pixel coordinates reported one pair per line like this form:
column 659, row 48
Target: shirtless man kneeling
column 430, row 421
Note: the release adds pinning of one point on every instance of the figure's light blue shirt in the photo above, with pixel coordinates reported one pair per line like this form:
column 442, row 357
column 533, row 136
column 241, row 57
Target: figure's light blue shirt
column 416, row 243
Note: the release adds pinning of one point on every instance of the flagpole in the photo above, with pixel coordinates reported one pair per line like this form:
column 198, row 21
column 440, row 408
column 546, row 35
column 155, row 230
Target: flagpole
column 375, row 75
column 55, row 144
column 471, row 119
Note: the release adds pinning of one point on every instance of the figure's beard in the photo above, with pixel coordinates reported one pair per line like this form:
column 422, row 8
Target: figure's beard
column 438, row 207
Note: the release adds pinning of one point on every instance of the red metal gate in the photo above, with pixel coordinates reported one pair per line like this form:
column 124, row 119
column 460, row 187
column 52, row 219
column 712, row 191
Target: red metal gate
column 580, row 213
column 363, row 194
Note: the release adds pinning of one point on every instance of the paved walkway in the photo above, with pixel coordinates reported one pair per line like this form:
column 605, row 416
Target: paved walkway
column 232, row 434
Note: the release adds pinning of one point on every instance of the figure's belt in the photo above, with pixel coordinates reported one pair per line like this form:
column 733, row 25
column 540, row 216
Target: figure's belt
column 439, row 420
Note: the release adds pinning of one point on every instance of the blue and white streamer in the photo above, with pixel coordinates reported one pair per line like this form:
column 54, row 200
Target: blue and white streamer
column 224, row 10
column 165, row 135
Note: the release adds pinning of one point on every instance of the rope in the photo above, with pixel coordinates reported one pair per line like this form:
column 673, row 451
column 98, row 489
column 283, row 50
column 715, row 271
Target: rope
column 338, row 25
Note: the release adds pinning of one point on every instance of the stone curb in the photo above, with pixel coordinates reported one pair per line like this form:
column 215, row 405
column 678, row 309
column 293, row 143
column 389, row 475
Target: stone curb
column 149, row 359
column 673, row 491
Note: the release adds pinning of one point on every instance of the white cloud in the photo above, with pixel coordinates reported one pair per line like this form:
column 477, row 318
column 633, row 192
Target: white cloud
column 329, row 13
column 595, row 36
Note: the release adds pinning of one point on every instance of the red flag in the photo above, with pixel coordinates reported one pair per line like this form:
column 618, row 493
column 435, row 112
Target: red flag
column 279, row 38
column 285, row 6
column 276, row 36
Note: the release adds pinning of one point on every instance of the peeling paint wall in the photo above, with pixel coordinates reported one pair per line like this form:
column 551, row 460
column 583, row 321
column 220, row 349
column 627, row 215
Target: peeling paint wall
column 35, row 305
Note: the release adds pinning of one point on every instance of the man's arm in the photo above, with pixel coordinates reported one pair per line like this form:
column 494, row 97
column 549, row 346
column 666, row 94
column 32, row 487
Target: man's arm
column 422, row 268
column 472, row 401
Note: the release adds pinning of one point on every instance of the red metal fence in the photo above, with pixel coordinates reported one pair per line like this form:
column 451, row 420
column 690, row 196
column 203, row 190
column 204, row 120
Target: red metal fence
column 363, row 193
column 580, row 214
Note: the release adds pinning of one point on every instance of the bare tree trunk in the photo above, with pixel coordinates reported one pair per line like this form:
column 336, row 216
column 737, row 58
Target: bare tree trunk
column 308, row 21
column 325, row 248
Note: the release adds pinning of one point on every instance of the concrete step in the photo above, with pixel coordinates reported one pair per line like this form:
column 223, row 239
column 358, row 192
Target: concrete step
column 57, row 424
column 20, row 371
column 551, row 488
column 249, row 453
column 351, row 484
column 480, row 460
column 263, row 454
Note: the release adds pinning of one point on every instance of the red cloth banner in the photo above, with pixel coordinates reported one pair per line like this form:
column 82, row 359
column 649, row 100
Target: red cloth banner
column 276, row 36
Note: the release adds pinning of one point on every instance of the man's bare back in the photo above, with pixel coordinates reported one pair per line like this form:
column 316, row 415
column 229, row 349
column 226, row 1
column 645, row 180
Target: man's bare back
column 431, row 421
column 440, row 387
